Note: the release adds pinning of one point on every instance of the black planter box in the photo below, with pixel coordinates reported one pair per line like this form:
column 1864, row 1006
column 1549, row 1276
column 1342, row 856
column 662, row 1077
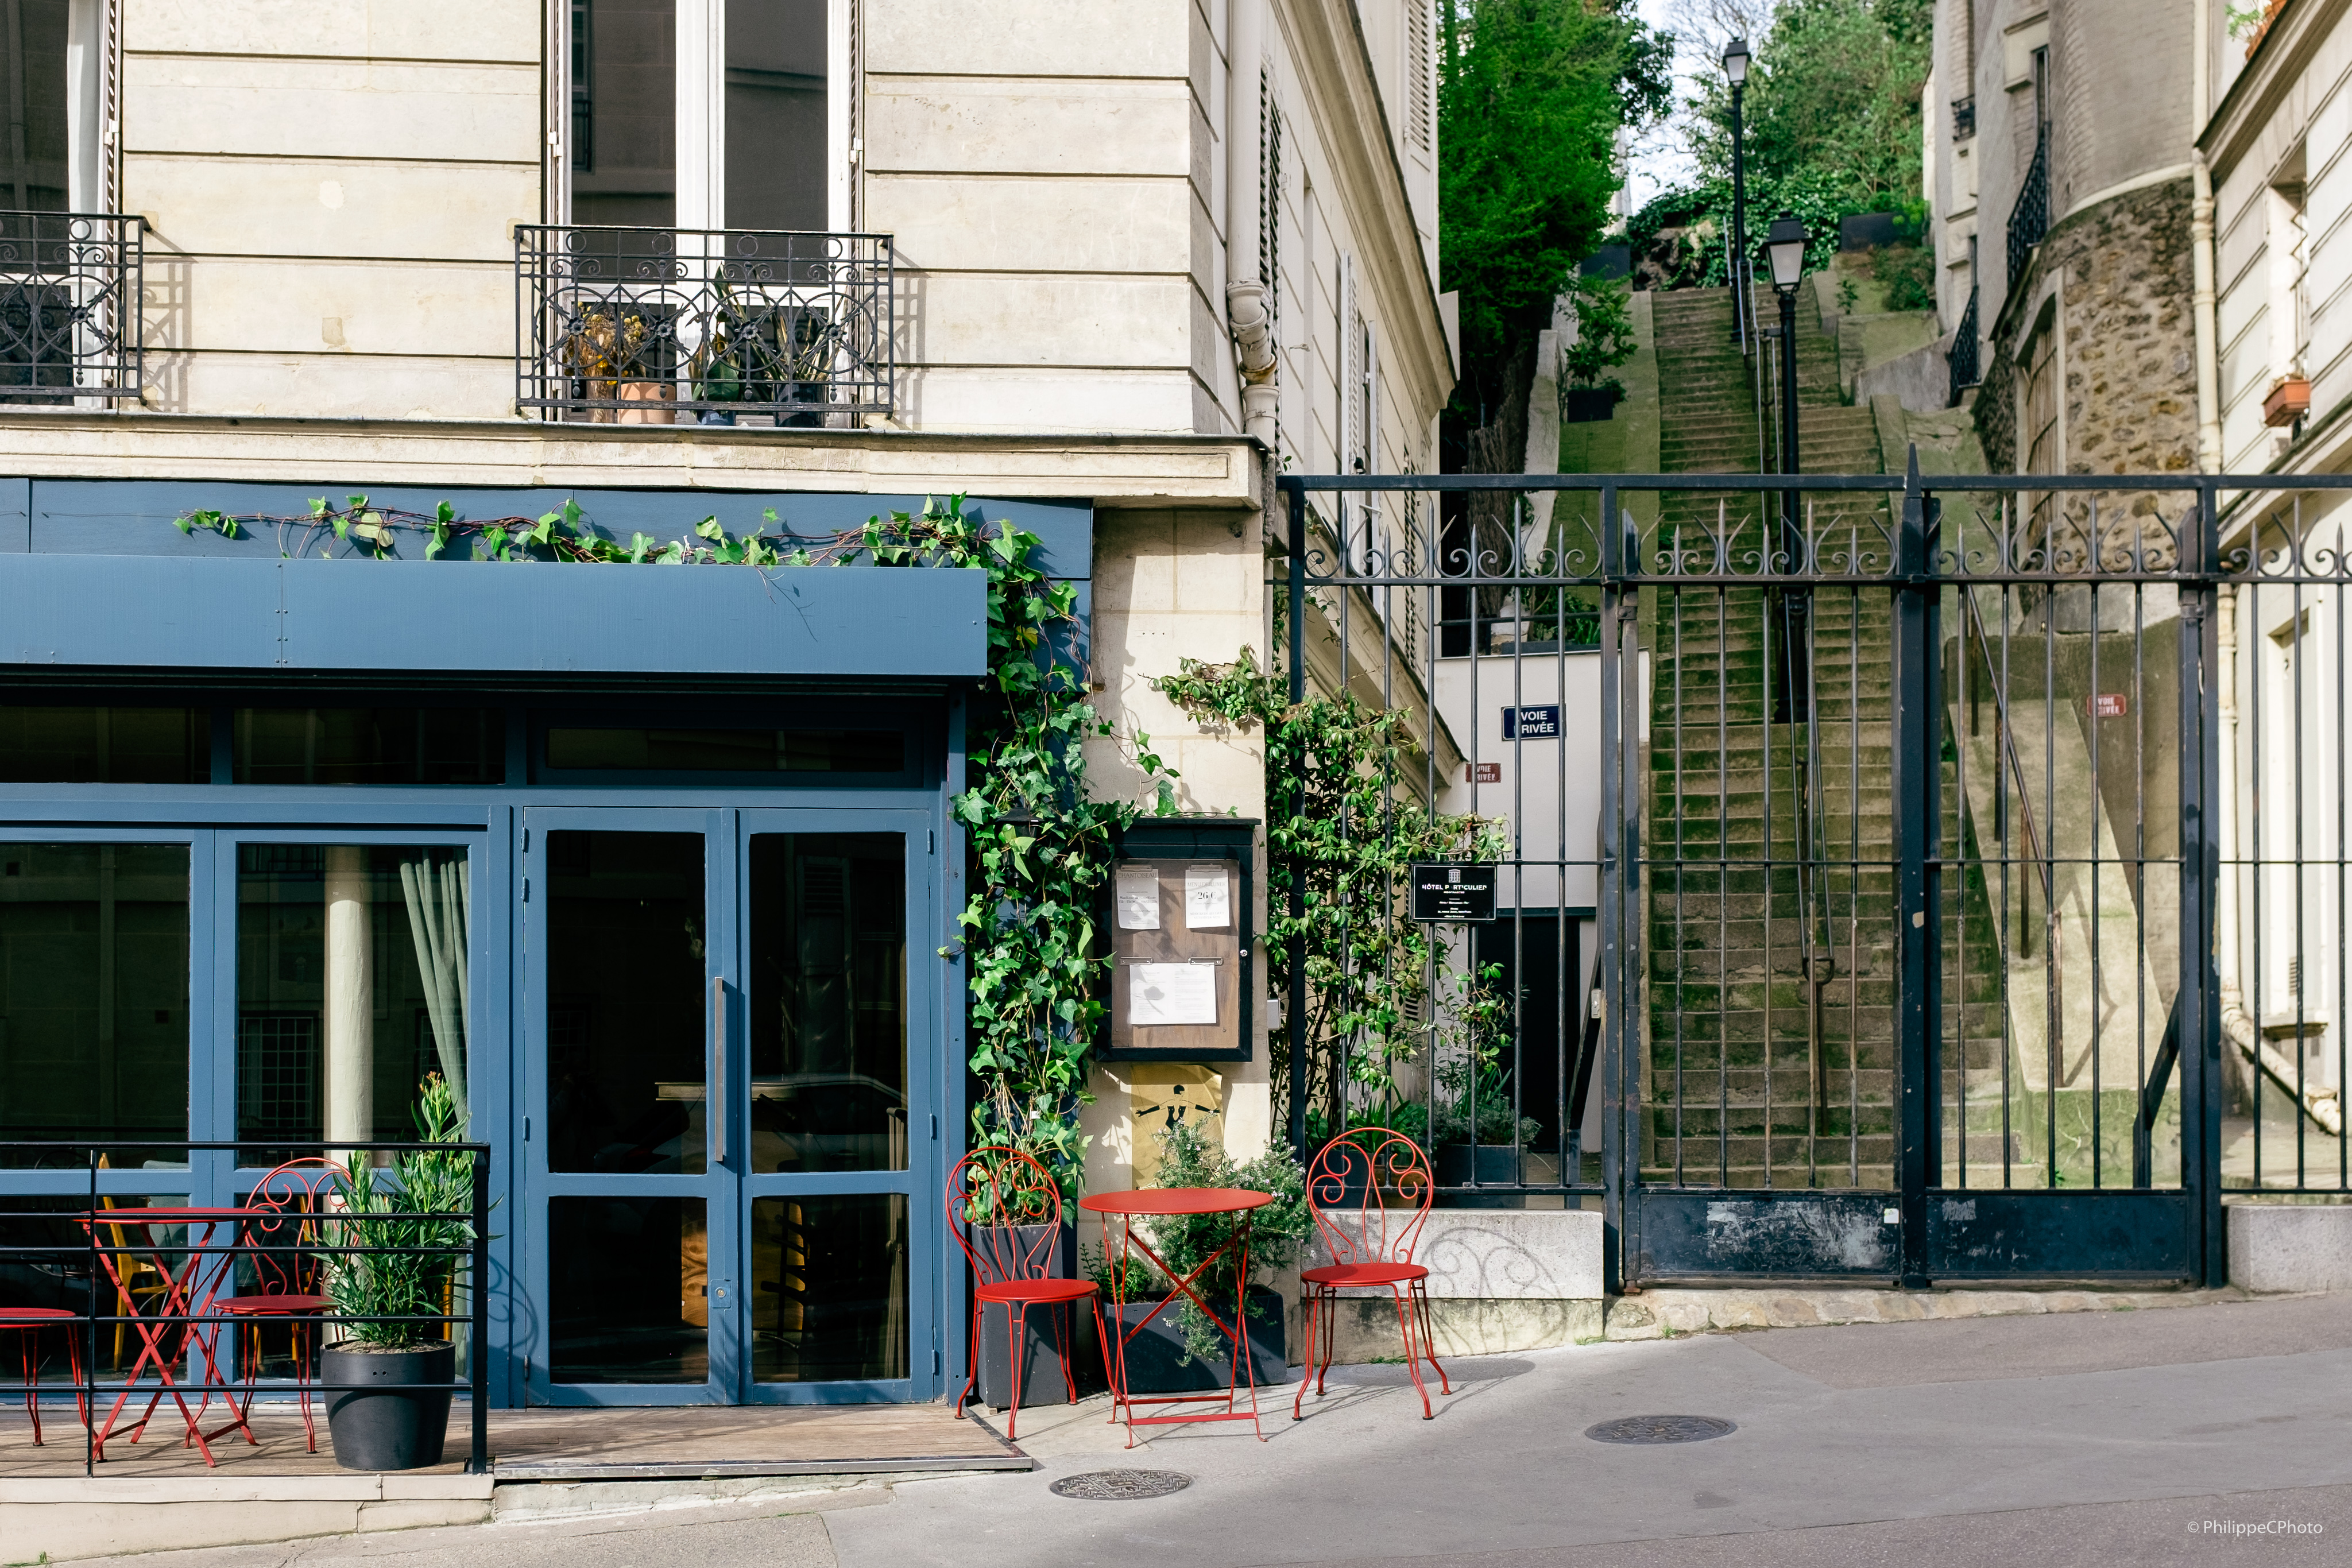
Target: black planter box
column 1587, row 405
column 1041, row 1357
column 1495, row 1163
column 1155, row 1356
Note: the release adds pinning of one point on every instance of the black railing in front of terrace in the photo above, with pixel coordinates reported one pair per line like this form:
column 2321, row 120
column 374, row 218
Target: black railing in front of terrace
column 1962, row 356
column 162, row 1290
column 658, row 326
column 70, row 292
column 2028, row 220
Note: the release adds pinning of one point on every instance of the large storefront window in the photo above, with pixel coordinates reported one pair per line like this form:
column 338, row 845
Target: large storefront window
column 351, row 986
column 94, row 996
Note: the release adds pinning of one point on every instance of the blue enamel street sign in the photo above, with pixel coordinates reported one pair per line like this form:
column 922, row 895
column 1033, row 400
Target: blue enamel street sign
column 1531, row 723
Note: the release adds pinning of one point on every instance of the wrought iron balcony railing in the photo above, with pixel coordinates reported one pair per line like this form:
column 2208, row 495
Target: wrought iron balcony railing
column 657, row 326
column 2030, row 219
column 70, row 294
column 1966, row 371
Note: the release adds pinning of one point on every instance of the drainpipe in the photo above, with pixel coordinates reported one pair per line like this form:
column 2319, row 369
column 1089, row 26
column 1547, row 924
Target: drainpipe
column 1246, row 311
column 2200, row 248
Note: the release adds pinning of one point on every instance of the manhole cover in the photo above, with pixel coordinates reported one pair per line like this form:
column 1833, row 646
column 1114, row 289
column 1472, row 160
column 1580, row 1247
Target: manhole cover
column 1660, row 1429
column 1120, row 1486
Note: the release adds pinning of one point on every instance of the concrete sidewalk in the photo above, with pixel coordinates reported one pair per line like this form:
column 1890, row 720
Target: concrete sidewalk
column 2097, row 1438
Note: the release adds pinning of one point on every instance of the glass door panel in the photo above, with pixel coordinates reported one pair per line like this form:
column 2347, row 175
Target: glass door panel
column 629, row 1202
column 842, row 1119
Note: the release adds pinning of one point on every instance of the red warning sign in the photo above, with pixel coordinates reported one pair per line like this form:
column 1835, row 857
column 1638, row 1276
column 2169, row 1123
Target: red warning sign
column 2110, row 705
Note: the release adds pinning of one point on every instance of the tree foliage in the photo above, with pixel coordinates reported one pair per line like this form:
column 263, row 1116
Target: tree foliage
column 1530, row 102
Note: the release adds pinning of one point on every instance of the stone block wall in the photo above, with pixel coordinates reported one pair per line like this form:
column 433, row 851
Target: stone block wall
column 2121, row 274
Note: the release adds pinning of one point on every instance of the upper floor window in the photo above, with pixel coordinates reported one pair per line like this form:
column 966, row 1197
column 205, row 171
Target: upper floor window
column 52, row 55
column 705, row 114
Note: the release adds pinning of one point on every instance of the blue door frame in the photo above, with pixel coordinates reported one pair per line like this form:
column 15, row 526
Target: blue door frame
column 212, row 820
column 725, row 1186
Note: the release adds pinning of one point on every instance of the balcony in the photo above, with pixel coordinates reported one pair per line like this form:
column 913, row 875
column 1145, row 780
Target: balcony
column 2030, row 219
column 70, row 294
column 656, row 326
column 1966, row 369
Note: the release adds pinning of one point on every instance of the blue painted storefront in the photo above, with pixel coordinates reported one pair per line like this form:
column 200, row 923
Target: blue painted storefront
column 103, row 602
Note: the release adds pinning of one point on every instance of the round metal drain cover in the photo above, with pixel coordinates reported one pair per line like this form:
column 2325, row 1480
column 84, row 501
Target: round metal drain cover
column 1660, row 1429
column 1120, row 1486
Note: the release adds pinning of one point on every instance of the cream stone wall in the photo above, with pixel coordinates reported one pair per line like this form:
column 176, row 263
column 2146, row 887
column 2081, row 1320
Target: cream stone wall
column 330, row 187
column 2284, row 134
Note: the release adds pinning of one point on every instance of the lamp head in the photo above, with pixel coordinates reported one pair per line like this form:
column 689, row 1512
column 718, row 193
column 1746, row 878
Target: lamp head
column 1784, row 249
column 1734, row 61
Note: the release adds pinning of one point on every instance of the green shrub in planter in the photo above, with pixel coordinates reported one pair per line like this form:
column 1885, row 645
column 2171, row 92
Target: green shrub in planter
column 1187, row 1159
column 393, row 1423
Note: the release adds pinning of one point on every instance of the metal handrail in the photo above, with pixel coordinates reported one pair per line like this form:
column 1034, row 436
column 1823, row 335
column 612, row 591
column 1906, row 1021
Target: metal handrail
column 2007, row 744
column 145, row 1183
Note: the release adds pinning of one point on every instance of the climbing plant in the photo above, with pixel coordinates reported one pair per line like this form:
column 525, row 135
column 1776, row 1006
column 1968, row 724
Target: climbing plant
column 1037, row 977
column 1341, row 826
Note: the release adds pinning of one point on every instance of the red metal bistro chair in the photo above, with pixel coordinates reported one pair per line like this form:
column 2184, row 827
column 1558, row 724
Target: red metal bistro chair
column 991, row 1192
column 29, row 1322
column 1371, row 1244
column 288, row 1205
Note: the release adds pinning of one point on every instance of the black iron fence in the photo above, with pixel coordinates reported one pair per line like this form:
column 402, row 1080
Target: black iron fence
column 69, row 293
column 661, row 326
column 2010, row 949
column 186, row 1270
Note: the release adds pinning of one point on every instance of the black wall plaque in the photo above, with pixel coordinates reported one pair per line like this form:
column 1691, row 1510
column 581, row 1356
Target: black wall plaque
column 1453, row 891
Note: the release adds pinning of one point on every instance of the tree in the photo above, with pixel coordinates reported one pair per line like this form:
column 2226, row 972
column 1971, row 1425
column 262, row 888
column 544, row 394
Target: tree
column 1530, row 103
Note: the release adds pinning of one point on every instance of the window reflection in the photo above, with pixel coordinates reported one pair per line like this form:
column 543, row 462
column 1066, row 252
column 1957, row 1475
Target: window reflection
column 94, row 995
column 828, row 1002
column 353, row 987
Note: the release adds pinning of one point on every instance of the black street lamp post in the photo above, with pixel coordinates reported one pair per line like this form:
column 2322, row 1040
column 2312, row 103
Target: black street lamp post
column 1735, row 69
column 1784, row 253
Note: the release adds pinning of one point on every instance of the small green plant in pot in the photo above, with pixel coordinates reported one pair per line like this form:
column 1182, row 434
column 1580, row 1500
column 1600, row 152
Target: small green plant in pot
column 384, row 1413
column 1604, row 341
column 1192, row 1351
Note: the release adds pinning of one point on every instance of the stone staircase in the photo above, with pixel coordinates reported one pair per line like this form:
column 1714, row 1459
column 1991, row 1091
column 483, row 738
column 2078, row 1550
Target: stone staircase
column 1743, row 1086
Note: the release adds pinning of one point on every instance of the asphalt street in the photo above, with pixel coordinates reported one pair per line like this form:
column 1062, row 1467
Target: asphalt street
column 2212, row 1434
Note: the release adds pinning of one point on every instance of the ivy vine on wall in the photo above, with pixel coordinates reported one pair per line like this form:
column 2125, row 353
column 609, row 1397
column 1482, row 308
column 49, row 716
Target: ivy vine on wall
column 1038, row 979
column 1339, row 822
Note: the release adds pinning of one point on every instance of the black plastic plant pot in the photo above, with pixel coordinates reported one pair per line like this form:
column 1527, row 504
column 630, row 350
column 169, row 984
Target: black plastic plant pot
column 1155, row 1356
column 1041, row 1359
column 384, row 1420
column 1494, row 1163
column 1587, row 405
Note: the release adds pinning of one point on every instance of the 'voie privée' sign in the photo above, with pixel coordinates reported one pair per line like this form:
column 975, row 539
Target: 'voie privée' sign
column 1531, row 723
column 1453, row 891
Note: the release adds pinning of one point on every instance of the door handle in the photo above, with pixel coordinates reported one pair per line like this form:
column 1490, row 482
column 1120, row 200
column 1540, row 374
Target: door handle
column 716, row 1096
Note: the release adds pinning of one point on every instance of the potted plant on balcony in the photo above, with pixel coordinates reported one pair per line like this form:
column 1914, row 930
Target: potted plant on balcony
column 383, row 1411
column 1183, row 1348
column 1604, row 340
column 599, row 349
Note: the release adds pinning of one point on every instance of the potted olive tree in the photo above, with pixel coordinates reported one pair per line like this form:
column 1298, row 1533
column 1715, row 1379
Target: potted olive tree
column 384, row 1411
column 1604, row 341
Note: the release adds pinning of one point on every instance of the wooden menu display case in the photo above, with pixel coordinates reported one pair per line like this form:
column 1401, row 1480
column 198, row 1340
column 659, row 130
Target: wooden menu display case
column 1178, row 914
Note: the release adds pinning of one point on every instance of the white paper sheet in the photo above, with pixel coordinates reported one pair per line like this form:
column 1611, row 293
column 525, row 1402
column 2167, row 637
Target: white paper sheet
column 1139, row 897
column 1172, row 993
column 1207, row 906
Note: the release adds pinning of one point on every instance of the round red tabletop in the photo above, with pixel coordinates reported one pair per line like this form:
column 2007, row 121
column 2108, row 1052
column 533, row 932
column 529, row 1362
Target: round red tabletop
column 1176, row 1200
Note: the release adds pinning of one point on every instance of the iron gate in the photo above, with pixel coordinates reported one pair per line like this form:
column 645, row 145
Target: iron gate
column 1870, row 897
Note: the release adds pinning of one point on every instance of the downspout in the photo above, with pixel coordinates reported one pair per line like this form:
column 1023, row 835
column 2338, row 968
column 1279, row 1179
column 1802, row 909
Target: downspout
column 1246, row 312
column 2201, row 249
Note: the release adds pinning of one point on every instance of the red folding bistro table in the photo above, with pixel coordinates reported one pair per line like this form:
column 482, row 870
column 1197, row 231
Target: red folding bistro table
column 187, row 1304
column 1162, row 1202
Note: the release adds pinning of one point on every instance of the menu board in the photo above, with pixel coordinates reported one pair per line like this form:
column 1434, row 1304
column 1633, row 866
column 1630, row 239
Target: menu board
column 1176, row 943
